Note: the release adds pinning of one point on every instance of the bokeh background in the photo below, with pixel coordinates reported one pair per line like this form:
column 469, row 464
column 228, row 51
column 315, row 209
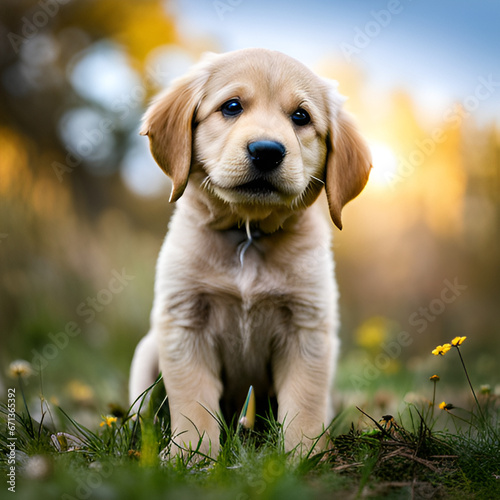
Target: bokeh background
column 82, row 201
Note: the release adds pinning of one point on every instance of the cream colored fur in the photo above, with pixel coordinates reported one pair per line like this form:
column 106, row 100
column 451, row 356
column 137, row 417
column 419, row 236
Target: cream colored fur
column 223, row 320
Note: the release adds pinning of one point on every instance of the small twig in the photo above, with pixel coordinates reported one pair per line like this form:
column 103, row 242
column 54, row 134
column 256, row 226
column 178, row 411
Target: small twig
column 392, row 454
column 421, row 461
column 373, row 420
column 347, row 466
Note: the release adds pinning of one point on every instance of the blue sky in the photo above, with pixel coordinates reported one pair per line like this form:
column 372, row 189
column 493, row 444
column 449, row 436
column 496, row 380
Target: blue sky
column 436, row 49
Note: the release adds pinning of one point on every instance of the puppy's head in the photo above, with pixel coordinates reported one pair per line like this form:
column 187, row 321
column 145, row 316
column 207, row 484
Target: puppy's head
column 258, row 131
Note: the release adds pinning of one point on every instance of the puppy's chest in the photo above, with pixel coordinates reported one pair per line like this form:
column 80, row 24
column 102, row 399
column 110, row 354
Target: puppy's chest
column 245, row 308
column 246, row 299
column 243, row 319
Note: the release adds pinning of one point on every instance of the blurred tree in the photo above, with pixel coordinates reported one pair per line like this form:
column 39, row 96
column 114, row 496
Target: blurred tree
column 61, row 147
column 42, row 102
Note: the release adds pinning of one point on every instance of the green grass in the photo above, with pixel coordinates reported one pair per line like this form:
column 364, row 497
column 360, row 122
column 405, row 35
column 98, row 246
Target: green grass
column 410, row 456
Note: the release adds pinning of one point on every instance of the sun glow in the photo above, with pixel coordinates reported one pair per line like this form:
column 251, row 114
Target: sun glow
column 385, row 164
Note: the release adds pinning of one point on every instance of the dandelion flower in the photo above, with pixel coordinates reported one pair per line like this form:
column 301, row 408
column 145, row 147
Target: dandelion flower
column 108, row 420
column 434, row 378
column 441, row 349
column 444, row 406
column 20, row 368
column 457, row 341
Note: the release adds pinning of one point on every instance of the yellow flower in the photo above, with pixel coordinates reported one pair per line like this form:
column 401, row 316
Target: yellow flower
column 434, row 378
column 108, row 420
column 80, row 392
column 20, row 368
column 457, row 341
column 388, row 423
column 373, row 332
column 441, row 349
column 444, row 406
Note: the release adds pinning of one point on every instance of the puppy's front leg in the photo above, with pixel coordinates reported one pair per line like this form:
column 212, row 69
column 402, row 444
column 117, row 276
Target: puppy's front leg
column 302, row 376
column 190, row 372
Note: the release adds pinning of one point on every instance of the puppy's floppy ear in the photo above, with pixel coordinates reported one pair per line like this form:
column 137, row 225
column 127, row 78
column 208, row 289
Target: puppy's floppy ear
column 349, row 160
column 169, row 122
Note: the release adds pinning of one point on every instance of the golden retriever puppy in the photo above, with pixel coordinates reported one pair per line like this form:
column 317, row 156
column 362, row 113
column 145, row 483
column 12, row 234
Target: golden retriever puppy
column 245, row 291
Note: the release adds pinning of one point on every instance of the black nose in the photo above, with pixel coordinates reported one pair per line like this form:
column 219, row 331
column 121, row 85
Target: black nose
column 266, row 155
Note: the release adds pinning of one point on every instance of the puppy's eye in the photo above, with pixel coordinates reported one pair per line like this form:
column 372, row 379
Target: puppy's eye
column 232, row 107
column 301, row 117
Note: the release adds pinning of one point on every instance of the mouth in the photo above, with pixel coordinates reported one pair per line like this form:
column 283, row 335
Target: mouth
column 257, row 187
